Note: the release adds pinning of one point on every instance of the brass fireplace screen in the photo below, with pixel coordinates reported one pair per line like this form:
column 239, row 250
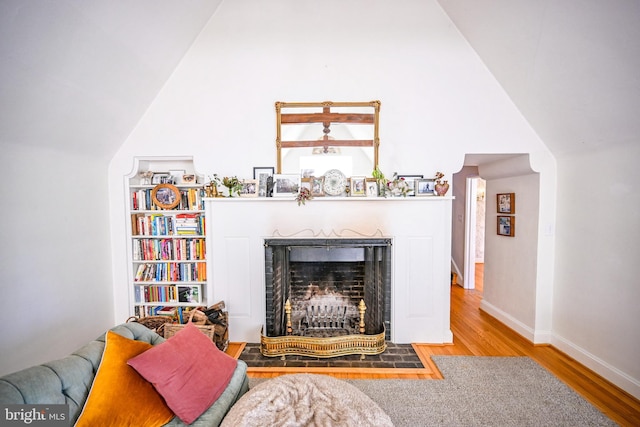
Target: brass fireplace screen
column 328, row 346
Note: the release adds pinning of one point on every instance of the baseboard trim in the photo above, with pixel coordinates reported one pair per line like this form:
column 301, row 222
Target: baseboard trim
column 460, row 278
column 597, row 365
column 508, row 320
column 580, row 355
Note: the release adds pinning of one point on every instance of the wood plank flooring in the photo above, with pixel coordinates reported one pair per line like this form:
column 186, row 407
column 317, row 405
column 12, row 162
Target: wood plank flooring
column 478, row 334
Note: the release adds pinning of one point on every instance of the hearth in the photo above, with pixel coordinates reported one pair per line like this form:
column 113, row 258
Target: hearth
column 327, row 289
column 397, row 356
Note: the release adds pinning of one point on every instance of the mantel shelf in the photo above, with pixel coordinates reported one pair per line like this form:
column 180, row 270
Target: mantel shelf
column 331, row 199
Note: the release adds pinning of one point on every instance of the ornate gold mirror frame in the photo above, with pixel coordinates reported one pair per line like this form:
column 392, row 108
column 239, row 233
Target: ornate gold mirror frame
column 325, row 114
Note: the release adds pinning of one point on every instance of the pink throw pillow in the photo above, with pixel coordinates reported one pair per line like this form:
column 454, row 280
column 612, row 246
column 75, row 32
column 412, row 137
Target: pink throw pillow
column 188, row 371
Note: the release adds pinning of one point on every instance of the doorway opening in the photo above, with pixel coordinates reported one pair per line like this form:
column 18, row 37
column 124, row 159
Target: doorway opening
column 475, row 213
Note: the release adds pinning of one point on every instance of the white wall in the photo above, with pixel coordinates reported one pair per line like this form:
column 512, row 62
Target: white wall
column 596, row 291
column 55, row 262
column 510, row 270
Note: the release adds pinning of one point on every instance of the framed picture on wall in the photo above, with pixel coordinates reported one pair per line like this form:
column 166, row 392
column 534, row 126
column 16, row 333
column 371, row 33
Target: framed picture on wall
column 506, row 203
column 506, row 225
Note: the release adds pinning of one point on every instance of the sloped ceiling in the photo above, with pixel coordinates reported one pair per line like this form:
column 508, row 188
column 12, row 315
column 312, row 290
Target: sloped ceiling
column 572, row 67
column 79, row 74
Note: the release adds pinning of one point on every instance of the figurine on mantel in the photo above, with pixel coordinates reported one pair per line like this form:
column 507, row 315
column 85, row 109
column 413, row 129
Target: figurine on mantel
column 441, row 186
column 211, row 189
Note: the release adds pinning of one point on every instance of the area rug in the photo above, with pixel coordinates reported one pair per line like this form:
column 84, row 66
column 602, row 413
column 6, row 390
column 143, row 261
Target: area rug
column 482, row 391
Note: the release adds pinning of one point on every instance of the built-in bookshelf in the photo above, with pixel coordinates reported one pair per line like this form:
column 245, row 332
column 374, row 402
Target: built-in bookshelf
column 166, row 236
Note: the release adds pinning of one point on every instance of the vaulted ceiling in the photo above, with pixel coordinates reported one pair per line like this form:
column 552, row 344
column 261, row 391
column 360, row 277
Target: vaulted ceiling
column 572, row 67
column 79, row 74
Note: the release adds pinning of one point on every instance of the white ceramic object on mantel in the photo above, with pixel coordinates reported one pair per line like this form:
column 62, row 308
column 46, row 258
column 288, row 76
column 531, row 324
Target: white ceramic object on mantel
column 335, row 182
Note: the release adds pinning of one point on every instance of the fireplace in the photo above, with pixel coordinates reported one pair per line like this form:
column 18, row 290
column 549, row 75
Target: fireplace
column 326, row 282
column 420, row 263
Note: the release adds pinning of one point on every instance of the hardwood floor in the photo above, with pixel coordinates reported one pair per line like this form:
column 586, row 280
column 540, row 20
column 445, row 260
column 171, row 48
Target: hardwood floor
column 478, row 334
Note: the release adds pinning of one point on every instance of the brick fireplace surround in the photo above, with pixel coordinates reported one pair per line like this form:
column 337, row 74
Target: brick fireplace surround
column 419, row 229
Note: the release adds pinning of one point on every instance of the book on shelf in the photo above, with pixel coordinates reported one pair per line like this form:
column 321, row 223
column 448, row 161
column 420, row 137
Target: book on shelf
column 171, row 272
column 189, row 223
column 167, row 225
column 139, row 273
column 169, row 311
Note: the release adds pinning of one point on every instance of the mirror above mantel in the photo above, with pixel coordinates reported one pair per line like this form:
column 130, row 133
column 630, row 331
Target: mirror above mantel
column 314, row 137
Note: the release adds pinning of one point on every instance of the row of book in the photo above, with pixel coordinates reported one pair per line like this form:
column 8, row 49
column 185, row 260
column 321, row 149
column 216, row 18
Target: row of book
column 183, row 224
column 190, row 294
column 190, row 199
column 171, row 272
column 172, row 312
column 169, row 249
column 189, row 224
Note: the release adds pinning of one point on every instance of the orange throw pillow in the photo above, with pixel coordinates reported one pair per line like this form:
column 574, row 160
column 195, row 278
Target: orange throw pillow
column 119, row 396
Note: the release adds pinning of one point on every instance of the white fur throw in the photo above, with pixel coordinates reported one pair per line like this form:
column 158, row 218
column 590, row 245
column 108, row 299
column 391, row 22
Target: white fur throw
column 305, row 400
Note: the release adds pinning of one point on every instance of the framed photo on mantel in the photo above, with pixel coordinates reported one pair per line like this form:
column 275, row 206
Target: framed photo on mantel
column 285, row 185
column 262, row 174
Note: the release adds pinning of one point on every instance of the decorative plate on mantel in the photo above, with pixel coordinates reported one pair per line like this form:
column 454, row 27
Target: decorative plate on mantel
column 335, row 182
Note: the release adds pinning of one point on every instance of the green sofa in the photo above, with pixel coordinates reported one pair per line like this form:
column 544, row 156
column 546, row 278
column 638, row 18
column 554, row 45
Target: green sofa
column 68, row 380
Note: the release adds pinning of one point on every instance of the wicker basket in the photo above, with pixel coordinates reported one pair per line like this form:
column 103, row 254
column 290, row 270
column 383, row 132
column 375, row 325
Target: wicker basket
column 170, row 329
column 155, row 323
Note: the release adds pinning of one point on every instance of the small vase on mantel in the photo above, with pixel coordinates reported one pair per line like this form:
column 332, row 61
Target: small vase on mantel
column 441, row 187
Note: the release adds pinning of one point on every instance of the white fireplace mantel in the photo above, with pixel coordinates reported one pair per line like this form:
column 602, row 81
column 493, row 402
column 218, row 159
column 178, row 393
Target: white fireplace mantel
column 420, row 228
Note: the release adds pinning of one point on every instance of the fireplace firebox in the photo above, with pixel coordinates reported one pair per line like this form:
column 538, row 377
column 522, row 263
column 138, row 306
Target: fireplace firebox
column 326, row 291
